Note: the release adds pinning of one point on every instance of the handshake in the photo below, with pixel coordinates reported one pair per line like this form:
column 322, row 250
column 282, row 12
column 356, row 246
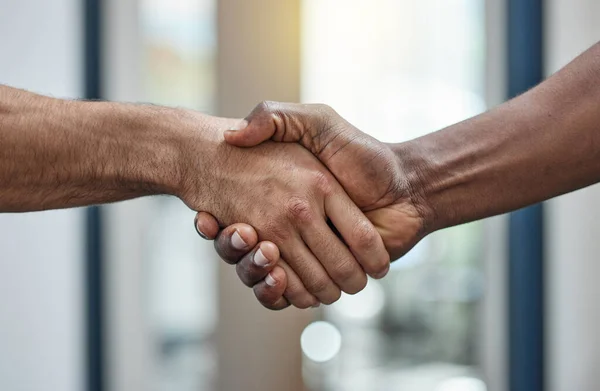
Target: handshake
column 332, row 205
column 329, row 204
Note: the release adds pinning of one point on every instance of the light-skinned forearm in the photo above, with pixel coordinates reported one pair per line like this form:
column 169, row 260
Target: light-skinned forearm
column 58, row 153
column 541, row 144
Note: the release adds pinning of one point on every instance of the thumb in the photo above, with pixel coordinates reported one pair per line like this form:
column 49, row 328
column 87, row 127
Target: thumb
column 282, row 122
column 251, row 131
column 246, row 134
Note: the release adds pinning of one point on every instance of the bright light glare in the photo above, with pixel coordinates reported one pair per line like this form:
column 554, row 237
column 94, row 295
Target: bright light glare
column 363, row 306
column 396, row 69
column 461, row 384
column 320, row 341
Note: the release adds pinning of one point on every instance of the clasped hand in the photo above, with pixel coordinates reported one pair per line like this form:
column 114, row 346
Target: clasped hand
column 328, row 209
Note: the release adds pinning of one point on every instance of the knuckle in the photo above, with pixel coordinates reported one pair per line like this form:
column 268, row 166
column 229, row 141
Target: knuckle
column 322, row 182
column 298, row 296
column 299, row 209
column 277, row 232
column 324, row 108
column 332, row 298
column 364, row 235
column 345, row 272
column 382, row 266
column 300, row 300
column 319, row 284
column 358, row 286
column 265, row 106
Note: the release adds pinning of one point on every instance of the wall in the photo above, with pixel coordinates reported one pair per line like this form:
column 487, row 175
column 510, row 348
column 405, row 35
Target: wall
column 573, row 229
column 41, row 327
column 259, row 59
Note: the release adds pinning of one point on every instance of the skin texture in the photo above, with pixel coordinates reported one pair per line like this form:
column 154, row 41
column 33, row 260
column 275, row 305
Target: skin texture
column 368, row 170
column 58, row 154
column 541, row 144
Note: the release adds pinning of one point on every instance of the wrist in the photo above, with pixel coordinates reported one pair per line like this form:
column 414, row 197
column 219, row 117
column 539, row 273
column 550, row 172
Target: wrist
column 417, row 171
column 146, row 144
column 459, row 170
column 202, row 158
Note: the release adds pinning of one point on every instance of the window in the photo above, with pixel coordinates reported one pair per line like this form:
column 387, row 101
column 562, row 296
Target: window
column 398, row 69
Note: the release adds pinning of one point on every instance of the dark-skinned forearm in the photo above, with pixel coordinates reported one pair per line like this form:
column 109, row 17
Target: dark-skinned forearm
column 541, row 144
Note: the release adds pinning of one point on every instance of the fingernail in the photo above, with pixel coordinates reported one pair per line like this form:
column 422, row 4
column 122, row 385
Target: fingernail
column 202, row 235
column 260, row 259
column 240, row 125
column 270, row 281
column 383, row 273
column 237, row 242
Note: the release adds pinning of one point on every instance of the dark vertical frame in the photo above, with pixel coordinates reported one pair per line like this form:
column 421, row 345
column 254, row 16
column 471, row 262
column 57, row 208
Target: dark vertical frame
column 94, row 310
column 526, row 236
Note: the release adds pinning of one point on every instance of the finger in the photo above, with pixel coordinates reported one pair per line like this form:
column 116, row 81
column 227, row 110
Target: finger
column 335, row 257
column 310, row 271
column 269, row 292
column 206, row 225
column 360, row 235
column 254, row 266
column 295, row 291
column 235, row 241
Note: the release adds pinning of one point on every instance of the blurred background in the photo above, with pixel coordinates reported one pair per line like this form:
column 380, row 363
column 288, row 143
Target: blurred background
column 128, row 298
